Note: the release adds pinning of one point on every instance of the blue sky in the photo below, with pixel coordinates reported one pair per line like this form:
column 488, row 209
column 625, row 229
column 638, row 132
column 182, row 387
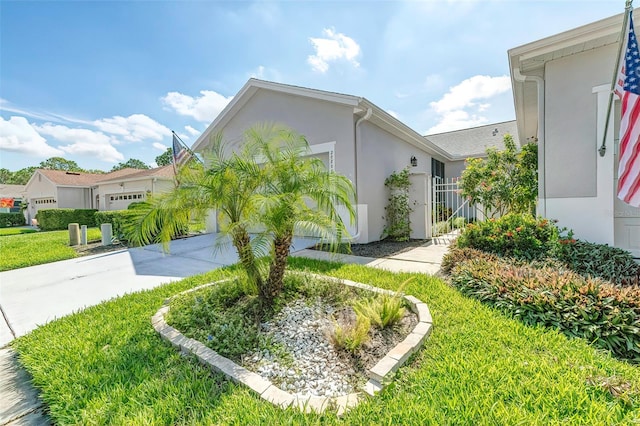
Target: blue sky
column 102, row 82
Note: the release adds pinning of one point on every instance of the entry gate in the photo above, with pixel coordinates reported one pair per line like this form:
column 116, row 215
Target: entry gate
column 450, row 210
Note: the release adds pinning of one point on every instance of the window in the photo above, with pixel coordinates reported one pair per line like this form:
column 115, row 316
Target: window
column 437, row 168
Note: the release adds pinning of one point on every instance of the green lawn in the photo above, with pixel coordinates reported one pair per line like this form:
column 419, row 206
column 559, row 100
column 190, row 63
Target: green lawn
column 106, row 365
column 15, row 231
column 18, row 251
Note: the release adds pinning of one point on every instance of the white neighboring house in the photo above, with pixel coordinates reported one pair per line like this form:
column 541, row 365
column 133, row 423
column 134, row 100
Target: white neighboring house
column 12, row 192
column 561, row 87
column 352, row 136
column 51, row 189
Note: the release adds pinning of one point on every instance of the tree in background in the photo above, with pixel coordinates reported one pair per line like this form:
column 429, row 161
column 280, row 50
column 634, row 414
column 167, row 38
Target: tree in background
column 165, row 158
column 59, row 163
column 506, row 181
column 132, row 163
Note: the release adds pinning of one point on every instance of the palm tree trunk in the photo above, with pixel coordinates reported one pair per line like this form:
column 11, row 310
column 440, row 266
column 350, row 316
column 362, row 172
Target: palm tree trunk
column 242, row 243
column 274, row 284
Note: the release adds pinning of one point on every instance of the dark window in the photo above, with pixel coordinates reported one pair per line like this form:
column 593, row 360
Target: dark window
column 437, row 168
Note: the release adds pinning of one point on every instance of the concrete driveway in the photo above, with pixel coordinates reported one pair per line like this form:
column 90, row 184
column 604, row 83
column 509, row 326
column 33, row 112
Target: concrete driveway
column 30, row 297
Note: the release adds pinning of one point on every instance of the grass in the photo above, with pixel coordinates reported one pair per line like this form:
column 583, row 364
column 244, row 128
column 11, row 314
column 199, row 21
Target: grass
column 15, row 231
column 19, row 251
column 106, row 365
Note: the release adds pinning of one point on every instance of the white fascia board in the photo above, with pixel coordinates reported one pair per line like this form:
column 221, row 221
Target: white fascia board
column 398, row 128
column 134, row 179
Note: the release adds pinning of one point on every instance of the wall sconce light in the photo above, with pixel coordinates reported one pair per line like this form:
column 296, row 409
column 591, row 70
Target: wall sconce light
column 414, row 161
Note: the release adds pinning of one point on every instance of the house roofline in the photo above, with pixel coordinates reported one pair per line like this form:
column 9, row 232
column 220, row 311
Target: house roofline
column 359, row 104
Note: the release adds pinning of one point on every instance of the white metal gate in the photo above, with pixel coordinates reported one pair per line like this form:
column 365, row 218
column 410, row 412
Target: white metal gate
column 450, row 211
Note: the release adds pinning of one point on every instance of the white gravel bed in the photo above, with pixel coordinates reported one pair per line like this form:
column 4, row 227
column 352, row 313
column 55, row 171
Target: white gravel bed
column 309, row 365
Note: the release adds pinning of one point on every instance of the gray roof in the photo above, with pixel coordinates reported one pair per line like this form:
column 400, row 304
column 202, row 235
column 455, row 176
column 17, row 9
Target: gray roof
column 12, row 191
column 474, row 142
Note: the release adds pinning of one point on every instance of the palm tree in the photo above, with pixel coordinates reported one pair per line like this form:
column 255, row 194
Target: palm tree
column 267, row 184
column 299, row 196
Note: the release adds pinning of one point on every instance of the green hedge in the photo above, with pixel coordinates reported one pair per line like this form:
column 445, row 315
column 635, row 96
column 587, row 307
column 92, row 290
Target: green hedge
column 59, row 219
column 119, row 220
column 606, row 315
column 516, row 235
column 7, row 220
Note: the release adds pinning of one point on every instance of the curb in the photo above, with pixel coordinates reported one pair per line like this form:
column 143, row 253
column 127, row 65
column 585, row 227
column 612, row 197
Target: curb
column 381, row 374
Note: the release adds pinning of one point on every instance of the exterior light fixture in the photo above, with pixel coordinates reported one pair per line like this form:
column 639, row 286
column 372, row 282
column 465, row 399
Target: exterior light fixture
column 414, row 161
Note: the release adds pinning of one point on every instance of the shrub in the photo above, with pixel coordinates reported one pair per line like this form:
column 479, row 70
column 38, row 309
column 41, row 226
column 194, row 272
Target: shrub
column 351, row 336
column 382, row 311
column 598, row 260
column 59, row 219
column 457, row 255
column 517, row 235
column 398, row 210
column 7, row 220
column 119, row 220
column 606, row 315
column 459, row 222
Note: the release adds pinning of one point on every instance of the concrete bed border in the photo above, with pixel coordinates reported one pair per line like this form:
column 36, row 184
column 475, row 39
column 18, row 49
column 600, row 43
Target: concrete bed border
column 381, row 374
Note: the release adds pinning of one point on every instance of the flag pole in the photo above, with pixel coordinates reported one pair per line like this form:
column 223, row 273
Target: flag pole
column 184, row 145
column 627, row 8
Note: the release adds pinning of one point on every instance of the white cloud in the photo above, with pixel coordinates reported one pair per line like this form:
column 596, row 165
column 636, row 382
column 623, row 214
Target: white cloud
column 159, row 146
column 264, row 73
column 459, row 107
column 204, row 108
column 134, row 128
column 456, row 120
column 83, row 142
column 17, row 135
column 192, row 131
column 336, row 46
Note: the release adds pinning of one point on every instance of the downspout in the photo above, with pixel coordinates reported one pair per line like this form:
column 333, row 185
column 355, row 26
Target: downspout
column 356, row 138
column 542, row 179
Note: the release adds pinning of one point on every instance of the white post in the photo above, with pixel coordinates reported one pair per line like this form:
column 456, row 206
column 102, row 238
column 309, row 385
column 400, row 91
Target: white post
column 106, row 231
column 83, row 235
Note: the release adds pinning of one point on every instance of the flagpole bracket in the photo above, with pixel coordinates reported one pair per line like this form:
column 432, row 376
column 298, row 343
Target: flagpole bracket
column 602, row 150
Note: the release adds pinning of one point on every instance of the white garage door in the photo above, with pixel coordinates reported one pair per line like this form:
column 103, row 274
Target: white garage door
column 122, row 201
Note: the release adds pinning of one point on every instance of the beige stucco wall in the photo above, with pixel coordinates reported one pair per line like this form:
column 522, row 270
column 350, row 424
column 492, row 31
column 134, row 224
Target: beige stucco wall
column 74, row 198
column 570, row 117
column 39, row 187
column 319, row 121
column 382, row 154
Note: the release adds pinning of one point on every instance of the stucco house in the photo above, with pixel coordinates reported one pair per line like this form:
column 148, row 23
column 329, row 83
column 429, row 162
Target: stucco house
column 352, row 136
column 50, row 189
column 561, row 86
column 14, row 194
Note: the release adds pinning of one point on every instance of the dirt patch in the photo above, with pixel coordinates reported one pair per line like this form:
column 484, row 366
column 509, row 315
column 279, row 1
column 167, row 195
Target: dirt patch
column 98, row 248
column 382, row 248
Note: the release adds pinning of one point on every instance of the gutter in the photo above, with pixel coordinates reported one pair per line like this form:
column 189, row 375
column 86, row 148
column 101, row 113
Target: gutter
column 542, row 185
column 356, row 148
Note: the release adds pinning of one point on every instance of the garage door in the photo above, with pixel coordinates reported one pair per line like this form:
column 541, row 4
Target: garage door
column 122, row 201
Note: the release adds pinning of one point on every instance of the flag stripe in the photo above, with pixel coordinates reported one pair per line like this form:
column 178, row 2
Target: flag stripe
column 628, row 89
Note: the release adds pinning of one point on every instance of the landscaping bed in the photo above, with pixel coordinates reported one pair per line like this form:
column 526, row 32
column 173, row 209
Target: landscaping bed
column 107, row 365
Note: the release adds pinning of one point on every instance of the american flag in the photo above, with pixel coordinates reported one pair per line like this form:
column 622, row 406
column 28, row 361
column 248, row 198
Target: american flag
column 628, row 89
column 180, row 153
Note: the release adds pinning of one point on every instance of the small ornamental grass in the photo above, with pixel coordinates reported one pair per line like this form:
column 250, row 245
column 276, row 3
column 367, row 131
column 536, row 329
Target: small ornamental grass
column 603, row 314
column 106, row 365
column 351, row 337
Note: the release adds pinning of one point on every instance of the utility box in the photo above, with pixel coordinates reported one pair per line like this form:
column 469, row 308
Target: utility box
column 107, row 232
column 74, row 234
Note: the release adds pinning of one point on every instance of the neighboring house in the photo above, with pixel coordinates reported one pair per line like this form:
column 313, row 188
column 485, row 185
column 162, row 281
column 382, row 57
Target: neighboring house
column 561, row 86
column 353, row 137
column 11, row 198
column 50, row 189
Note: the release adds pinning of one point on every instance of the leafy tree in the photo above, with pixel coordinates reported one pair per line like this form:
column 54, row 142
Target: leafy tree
column 165, row 158
column 22, row 176
column 267, row 184
column 59, row 163
column 5, row 176
column 506, row 181
column 132, row 163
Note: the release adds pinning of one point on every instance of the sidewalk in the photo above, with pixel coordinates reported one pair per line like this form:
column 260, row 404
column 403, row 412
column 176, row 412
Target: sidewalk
column 19, row 402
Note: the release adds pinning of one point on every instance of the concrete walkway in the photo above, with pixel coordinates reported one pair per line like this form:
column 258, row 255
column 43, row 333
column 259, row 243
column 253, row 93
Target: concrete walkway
column 33, row 296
